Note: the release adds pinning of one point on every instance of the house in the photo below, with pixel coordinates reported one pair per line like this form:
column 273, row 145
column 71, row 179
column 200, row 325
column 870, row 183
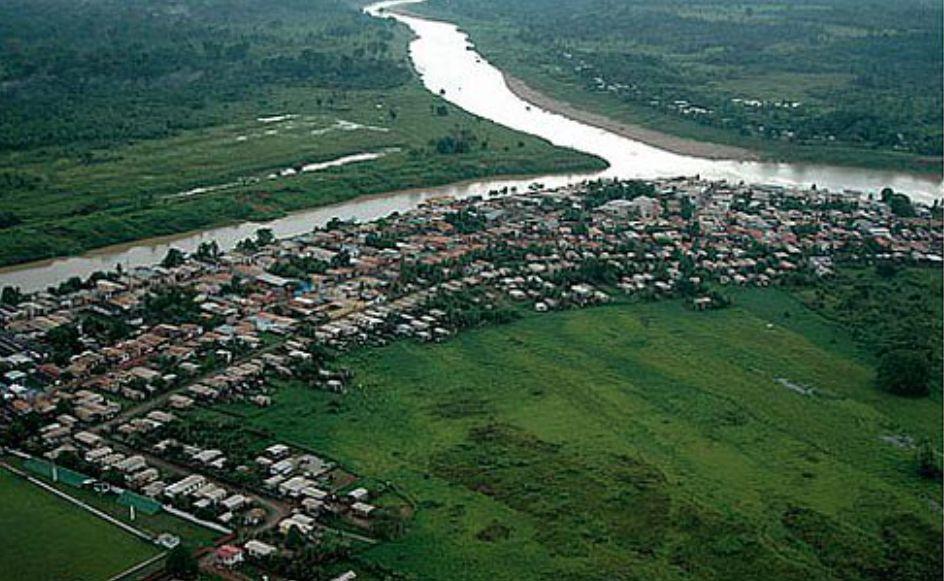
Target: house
column 313, row 506
column 283, row 467
column 131, row 464
column 228, row 555
column 97, row 454
column 179, row 402
column 258, row 549
column 277, row 451
column 154, row 489
column 87, row 439
column 143, row 477
column 234, row 502
column 646, row 207
column 293, row 486
column 185, row 486
column 303, row 523
column 362, row 509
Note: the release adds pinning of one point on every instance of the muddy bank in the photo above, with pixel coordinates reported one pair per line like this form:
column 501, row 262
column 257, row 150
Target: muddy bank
column 679, row 145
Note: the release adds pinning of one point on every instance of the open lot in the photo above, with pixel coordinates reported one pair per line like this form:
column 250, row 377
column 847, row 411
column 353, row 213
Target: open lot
column 636, row 441
column 44, row 537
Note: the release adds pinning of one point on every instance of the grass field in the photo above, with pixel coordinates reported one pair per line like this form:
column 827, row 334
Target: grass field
column 44, row 537
column 135, row 191
column 637, row 441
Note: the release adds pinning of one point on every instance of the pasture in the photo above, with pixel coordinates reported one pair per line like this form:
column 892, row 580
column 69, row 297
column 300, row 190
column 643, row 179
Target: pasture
column 636, row 441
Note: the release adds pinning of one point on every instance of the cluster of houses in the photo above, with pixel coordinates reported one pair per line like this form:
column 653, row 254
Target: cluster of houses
column 266, row 311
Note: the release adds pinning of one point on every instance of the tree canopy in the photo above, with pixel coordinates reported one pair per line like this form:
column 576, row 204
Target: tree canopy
column 904, row 372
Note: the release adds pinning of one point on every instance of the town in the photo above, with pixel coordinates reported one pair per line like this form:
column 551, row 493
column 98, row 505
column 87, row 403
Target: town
column 113, row 383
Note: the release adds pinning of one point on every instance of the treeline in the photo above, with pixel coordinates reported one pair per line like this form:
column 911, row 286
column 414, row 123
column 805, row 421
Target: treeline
column 895, row 313
column 105, row 71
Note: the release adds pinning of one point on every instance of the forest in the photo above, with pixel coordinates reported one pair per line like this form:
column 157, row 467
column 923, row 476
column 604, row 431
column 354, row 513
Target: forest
column 827, row 74
column 99, row 73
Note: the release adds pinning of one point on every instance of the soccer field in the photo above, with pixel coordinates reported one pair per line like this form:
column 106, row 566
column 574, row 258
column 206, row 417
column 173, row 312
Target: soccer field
column 45, row 537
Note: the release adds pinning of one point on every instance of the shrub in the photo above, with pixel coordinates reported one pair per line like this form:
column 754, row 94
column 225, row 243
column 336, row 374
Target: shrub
column 903, row 372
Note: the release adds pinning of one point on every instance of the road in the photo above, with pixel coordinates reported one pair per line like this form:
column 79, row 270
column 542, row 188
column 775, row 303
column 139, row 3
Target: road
column 160, row 400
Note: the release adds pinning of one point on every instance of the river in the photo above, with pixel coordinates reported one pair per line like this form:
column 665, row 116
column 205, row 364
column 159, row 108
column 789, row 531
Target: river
column 442, row 56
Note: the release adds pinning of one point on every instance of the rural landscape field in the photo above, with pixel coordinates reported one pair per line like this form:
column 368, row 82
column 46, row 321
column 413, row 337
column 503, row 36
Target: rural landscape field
column 408, row 290
column 580, row 445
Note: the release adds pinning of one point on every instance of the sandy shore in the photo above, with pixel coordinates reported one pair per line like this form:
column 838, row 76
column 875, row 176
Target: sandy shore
column 680, row 145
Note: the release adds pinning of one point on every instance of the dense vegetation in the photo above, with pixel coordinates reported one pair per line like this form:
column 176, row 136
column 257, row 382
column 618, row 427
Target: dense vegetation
column 895, row 314
column 110, row 70
column 125, row 120
column 830, row 74
column 638, row 441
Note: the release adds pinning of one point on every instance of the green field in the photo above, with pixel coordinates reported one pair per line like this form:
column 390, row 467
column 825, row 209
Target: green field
column 153, row 523
column 636, row 441
column 134, row 191
column 44, row 537
column 867, row 77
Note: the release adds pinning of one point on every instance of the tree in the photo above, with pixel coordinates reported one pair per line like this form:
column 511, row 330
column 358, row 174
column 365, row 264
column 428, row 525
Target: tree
column 64, row 341
column 900, row 204
column 181, row 563
column 387, row 524
column 886, row 269
column 8, row 219
column 928, row 465
column 208, row 251
column 294, row 539
column 173, row 258
column 904, row 372
column 264, row 236
column 11, row 295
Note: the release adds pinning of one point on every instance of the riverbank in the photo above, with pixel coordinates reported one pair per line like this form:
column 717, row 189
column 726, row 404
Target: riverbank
column 672, row 143
column 649, row 83
column 169, row 186
column 40, row 274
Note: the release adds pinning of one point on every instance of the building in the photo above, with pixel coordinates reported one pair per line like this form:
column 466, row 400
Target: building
column 259, row 550
column 228, row 555
column 185, row 486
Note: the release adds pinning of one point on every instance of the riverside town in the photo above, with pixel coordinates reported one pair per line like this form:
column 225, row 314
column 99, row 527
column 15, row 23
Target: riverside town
column 118, row 390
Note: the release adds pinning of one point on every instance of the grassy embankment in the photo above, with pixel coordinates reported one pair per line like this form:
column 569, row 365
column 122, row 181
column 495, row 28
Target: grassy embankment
column 836, row 59
column 44, row 537
column 131, row 193
column 637, row 441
